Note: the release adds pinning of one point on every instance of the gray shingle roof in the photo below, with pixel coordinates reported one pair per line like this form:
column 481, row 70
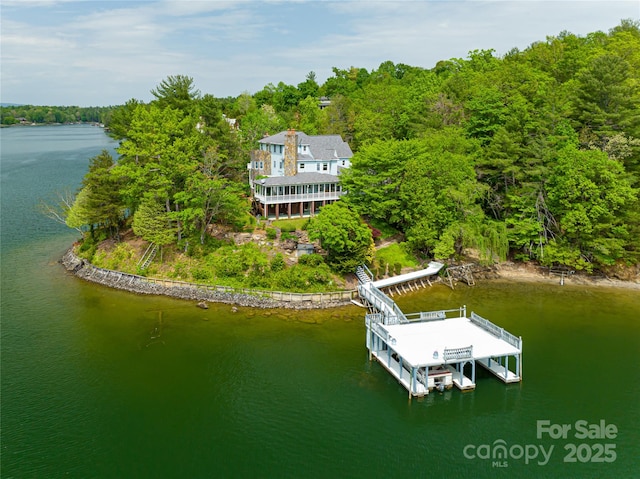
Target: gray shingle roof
column 323, row 147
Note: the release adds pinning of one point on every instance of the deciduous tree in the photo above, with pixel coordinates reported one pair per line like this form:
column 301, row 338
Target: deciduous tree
column 345, row 237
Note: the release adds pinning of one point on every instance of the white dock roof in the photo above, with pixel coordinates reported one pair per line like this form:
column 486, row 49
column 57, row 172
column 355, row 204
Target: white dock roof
column 416, row 342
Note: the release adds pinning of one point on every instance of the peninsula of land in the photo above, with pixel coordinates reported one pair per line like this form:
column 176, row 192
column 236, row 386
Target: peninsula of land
column 292, row 187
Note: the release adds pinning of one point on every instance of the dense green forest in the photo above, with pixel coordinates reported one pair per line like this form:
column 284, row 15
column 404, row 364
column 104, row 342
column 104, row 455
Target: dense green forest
column 16, row 114
column 534, row 155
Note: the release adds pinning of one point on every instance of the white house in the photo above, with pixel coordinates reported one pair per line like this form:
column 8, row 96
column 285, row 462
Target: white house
column 294, row 174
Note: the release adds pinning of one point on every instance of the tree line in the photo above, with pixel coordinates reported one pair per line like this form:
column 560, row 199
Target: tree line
column 16, row 114
column 533, row 155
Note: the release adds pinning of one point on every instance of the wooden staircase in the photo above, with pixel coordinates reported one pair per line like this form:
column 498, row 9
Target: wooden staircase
column 148, row 256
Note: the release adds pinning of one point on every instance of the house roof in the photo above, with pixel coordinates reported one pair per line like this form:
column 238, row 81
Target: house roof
column 323, row 147
column 299, row 179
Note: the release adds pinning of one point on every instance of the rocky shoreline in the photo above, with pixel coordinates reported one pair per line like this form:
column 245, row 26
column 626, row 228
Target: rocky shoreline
column 201, row 294
column 140, row 285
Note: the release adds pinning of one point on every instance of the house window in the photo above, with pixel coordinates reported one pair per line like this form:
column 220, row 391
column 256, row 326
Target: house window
column 304, row 148
column 325, row 167
column 317, row 166
column 280, row 165
column 281, row 147
column 261, row 165
column 274, row 163
column 302, row 166
column 343, row 162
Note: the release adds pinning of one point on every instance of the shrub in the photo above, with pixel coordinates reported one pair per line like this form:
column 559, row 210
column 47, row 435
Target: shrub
column 288, row 228
column 288, row 236
column 303, row 278
column 383, row 266
column 142, row 272
column 87, row 249
column 235, row 261
column 201, row 274
column 271, row 233
column 277, row 263
column 179, row 270
column 313, row 259
column 397, row 267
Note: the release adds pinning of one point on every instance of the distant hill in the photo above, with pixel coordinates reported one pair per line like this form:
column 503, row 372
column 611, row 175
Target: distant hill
column 11, row 104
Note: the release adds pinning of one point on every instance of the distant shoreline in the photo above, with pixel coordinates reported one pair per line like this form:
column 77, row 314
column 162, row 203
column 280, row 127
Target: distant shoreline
column 25, row 125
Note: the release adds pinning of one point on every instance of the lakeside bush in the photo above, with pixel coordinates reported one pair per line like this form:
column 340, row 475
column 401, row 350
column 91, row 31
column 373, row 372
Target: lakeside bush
column 313, row 259
column 271, row 233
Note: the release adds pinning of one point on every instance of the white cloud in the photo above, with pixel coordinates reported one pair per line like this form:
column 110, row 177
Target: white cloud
column 104, row 52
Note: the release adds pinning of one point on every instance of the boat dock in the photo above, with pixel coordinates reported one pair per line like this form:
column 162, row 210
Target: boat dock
column 435, row 349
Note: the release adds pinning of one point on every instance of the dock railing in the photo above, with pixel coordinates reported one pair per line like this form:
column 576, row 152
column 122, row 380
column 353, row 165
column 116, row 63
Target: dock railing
column 496, row 330
column 424, row 316
column 457, row 353
column 364, row 274
column 373, row 322
column 380, row 301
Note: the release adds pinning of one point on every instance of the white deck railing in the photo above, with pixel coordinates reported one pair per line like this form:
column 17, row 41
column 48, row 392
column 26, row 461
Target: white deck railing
column 497, row 331
column 424, row 316
column 298, row 198
column 457, row 353
column 380, row 301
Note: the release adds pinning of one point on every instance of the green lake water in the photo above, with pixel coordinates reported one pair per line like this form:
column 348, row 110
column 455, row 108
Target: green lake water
column 98, row 383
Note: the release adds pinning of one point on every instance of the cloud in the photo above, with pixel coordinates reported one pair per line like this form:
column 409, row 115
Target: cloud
column 105, row 52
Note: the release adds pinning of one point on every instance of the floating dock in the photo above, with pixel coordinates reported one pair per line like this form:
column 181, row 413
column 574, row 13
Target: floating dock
column 435, row 349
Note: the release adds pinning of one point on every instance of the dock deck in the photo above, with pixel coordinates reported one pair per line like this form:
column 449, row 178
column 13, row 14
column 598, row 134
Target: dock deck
column 412, row 346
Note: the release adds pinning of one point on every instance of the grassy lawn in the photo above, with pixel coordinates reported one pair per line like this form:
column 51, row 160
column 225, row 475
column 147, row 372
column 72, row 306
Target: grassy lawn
column 396, row 253
column 290, row 223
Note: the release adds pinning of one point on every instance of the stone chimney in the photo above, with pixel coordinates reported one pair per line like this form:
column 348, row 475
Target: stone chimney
column 290, row 153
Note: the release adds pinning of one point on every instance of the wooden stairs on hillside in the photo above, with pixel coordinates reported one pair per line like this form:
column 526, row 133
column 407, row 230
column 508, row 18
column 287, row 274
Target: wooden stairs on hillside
column 148, row 256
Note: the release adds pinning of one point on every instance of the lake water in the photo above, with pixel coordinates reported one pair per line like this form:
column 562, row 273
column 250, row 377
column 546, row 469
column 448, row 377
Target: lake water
column 105, row 384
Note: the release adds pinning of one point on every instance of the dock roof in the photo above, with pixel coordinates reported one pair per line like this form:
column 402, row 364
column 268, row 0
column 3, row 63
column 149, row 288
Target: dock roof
column 417, row 342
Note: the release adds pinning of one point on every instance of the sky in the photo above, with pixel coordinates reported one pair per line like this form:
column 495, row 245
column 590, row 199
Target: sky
column 100, row 53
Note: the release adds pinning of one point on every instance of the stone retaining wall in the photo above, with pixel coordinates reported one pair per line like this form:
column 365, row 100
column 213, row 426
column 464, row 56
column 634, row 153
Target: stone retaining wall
column 196, row 292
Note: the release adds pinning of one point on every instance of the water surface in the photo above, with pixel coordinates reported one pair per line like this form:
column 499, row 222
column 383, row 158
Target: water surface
column 102, row 383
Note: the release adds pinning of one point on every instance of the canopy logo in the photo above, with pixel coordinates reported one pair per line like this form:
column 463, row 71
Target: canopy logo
column 500, row 453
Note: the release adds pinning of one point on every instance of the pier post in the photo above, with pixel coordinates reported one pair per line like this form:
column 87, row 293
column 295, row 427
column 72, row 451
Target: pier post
column 412, row 386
